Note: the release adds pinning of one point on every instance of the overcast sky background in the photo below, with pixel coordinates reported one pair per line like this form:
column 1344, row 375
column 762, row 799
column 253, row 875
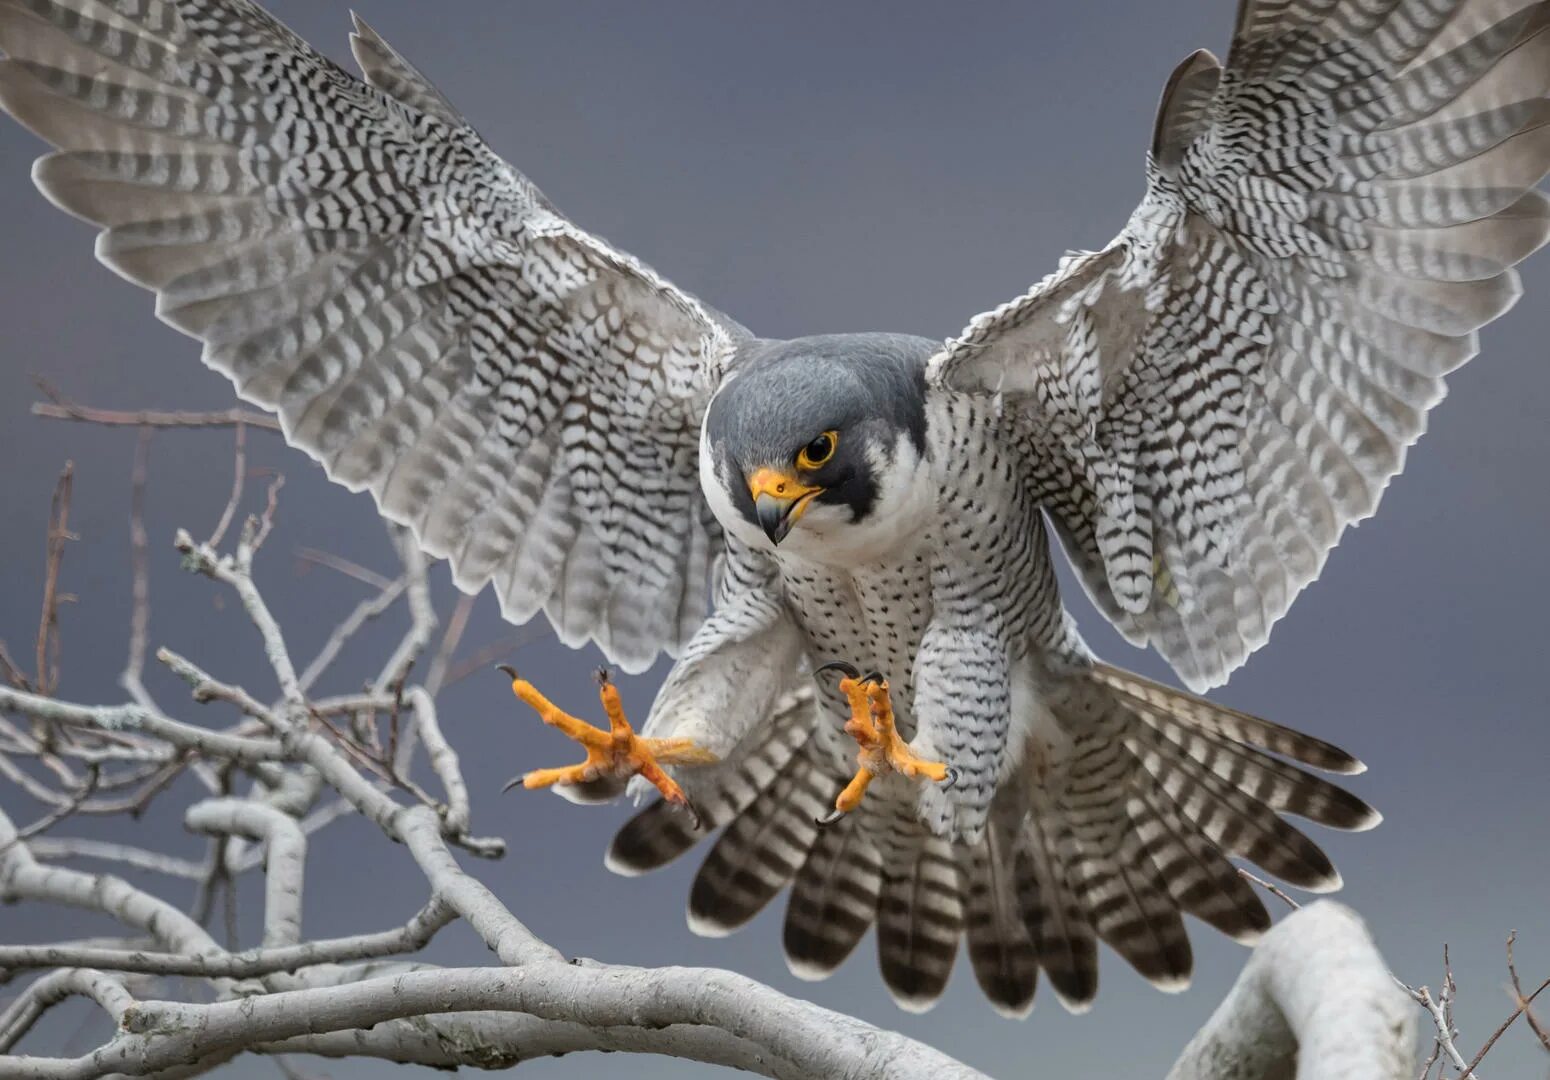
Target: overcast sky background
column 812, row 167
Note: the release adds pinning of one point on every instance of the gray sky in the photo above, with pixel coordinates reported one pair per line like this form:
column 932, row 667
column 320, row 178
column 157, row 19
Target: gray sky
column 812, row 167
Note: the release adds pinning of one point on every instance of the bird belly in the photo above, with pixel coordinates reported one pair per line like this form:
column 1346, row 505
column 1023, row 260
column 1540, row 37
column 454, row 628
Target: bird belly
column 873, row 618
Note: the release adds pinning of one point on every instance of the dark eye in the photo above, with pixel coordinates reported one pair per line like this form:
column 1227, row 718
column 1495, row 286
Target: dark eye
column 817, row 453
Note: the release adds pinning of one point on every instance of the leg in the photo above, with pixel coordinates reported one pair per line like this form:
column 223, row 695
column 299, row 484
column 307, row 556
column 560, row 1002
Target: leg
column 879, row 747
column 617, row 752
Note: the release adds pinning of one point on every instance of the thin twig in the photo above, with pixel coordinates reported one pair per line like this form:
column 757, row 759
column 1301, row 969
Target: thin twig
column 60, row 407
column 364, row 612
column 1523, row 1005
column 238, row 479
column 436, row 674
column 1269, row 886
column 47, row 677
column 1517, row 993
column 1440, row 1009
column 410, row 937
column 12, row 671
column 260, row 532
column 485, row 657
column 140, row 582
column 347, row 567
column 54, row 817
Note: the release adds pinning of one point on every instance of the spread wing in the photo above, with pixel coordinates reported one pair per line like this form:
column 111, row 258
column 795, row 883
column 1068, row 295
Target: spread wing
column 1329, row 219
column 523, row 396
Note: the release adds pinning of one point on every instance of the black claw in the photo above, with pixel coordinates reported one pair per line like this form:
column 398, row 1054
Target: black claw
column 695, row 820
column 873, row 677
column 601, row 675
column 830, row 818
column 951, row 778
column 509, row 671
column 850, row 671
column 515, row 781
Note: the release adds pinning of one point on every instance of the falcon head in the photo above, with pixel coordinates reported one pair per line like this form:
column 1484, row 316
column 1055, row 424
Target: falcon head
column 818, row 446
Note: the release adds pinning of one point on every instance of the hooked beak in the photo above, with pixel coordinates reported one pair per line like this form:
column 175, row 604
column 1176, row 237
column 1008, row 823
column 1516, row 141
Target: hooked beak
column 779, row 500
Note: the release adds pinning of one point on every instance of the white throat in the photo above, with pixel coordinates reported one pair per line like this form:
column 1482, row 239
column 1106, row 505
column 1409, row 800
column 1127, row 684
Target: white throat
column 902, row 516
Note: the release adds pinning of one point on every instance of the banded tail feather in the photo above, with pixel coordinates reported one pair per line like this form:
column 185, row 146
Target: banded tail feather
column 1134, row 828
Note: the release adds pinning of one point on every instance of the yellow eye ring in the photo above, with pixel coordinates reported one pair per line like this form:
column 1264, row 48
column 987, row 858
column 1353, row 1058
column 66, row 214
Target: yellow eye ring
column 816, row 454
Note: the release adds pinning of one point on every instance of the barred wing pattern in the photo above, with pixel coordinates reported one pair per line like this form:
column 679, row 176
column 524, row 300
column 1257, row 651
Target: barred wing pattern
column 427, row 326
column 1329, row 219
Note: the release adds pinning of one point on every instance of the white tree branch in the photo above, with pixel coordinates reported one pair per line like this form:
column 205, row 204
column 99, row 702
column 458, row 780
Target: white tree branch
column 704, row 1014
column 1315, row 997
column 148, row 721
column 285, row 851
column 55, row 987
column 70, row 847
column 411, row 937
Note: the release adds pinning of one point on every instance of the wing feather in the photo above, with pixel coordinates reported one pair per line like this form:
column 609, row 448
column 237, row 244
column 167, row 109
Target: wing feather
column 1330, row 218
column 427, row 326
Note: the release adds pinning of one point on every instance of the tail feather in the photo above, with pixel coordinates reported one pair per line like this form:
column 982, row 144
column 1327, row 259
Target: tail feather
column 1280, row 786
column 1199, row 877
column 1203, row 716
column 1000, row 948
column 1231, row 819
column 1113, row 830
column 834, row 899
column 761, row 850
column 662, row 832
column 919, row 922
column 1125, row 896
column 1053, row 914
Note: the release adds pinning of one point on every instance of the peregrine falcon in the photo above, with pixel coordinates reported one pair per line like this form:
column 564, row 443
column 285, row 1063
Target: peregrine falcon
column 879, row 698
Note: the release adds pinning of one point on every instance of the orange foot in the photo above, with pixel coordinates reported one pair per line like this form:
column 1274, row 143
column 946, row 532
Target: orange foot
column 881, row 748
column 617, row 753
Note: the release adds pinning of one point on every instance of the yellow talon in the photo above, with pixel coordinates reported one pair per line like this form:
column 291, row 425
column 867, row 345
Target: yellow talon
column 617, row 752
column 879, row 747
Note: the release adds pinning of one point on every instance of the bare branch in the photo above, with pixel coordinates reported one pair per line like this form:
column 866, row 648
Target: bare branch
column 364, row 612
column 23, row 878
column 239, row 476
column 411, row 937
column 55, row 987
column 70, row 847
column 58, row 814
column 796, row 1040
column 443, row 758
column 457, row 625
column 285, row 857
column 136, row 718
column 47, row 678
column 1315, row 993
column 1521, row 1001
column 484, row 658
column 348, row 567
column 60, row 407
column 1269, row 886
column 1523, row 1004
column 203, row 559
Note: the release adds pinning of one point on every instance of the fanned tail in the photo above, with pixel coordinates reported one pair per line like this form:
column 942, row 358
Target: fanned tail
column 1114, row 837
column 1132, row 824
